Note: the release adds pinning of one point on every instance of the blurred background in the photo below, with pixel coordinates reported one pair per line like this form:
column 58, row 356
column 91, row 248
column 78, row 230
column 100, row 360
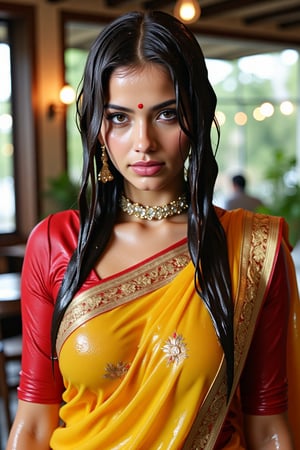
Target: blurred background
column 252, row 53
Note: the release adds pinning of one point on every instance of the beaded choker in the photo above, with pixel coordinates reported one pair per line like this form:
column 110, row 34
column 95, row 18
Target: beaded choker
column 154, row 212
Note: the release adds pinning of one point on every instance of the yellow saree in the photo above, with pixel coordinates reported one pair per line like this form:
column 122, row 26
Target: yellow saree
column 141, row 363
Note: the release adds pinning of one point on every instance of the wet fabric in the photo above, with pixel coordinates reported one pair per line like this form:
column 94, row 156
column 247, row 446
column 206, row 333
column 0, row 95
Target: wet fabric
column 139, row 364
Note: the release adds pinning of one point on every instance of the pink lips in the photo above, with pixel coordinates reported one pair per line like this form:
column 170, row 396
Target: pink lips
column 146, row 169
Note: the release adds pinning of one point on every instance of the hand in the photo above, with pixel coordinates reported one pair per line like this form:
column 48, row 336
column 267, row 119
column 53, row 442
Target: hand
column 33, row 426
column 267, row 432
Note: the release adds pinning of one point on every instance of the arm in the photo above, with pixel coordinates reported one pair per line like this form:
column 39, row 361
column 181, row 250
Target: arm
column 41, row 385
column 33, row 426
column 267, row 432
column 264, row 380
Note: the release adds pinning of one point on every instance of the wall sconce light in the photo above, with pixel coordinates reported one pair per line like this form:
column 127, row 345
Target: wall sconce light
column 67, row 97
column 188, row 11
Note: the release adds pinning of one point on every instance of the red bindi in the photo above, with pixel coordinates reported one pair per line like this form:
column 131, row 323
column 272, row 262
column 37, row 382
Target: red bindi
column 140, row 106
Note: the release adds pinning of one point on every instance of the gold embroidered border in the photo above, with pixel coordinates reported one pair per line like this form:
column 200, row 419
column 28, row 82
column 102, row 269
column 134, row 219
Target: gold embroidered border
column 109, row 294
column 258, row 251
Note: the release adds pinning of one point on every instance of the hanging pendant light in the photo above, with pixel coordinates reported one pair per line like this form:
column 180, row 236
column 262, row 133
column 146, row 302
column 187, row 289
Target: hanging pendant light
column 188, row 11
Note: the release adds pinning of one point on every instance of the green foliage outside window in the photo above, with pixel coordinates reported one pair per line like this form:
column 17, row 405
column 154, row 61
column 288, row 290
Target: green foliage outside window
column 284, row 194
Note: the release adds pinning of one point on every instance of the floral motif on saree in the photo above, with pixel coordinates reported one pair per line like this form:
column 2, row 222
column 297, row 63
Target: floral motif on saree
column 175, row 349
column 113, row 371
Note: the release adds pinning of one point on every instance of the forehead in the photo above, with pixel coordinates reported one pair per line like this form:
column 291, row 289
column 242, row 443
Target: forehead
column 150, row 74
column 142, row 69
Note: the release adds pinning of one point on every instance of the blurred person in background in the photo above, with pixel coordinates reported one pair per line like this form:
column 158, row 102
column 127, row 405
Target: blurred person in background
column 240, row 198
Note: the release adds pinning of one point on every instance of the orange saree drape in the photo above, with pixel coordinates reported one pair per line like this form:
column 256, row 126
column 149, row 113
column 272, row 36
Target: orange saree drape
column 252, row 267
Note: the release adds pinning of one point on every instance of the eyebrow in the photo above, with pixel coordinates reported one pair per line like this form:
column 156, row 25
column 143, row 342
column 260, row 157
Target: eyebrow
column 154, row 108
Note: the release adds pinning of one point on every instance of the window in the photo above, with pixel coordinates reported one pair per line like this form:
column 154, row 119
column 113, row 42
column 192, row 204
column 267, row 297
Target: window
column 258, row 106
column 7, row 189
column 18, row 131
column 78, row 35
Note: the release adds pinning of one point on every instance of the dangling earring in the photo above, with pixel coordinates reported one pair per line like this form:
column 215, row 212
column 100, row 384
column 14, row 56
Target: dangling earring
column 105, row 174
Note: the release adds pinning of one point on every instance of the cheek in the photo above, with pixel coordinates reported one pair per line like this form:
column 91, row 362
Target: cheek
column 117, row 146
column 116, row 142
column 117, row 149
column 115, row 137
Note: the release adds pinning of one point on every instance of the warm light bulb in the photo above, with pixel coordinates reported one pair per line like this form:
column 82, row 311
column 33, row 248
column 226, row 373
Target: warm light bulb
column 267, row 109
column 257, row 114
column 187, row 10
column 240, row 118
column 286, row 108
column 67, row 95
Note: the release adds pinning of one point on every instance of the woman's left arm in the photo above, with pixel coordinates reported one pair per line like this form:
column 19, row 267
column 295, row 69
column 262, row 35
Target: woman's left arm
column 264, row 379
column 267, row 432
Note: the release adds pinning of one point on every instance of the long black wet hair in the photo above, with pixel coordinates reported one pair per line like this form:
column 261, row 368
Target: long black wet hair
column 132, row 40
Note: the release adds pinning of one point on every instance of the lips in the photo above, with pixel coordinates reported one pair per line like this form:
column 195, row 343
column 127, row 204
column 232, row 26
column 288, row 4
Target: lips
column 146, row 169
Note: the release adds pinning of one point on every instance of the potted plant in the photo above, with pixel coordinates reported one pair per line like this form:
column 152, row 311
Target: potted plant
column 62, row 193
column 284, row 198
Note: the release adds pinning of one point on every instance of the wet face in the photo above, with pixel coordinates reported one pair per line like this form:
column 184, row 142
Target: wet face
column 141, row 131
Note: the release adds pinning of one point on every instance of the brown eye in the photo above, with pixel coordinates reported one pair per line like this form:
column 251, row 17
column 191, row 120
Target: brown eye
column 117, row 118
column 168, row 115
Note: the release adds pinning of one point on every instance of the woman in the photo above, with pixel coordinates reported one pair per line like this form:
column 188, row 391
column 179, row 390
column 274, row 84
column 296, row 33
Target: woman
column 168, row 317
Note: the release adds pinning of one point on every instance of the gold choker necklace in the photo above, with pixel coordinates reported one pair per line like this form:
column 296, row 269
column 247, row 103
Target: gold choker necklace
column 154, row 212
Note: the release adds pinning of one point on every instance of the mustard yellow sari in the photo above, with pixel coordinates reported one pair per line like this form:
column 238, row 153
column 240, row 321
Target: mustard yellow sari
column 142, row 366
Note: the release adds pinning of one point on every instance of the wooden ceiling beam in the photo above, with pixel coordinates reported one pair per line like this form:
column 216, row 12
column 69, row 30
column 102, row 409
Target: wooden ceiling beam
column 148, row 4
column 273, row 14
column 114, row 3
column 156, row 4
column 226, row 6
column 290, row 24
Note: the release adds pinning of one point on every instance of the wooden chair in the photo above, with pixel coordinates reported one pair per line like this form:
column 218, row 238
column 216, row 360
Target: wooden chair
column 10, row 347
column 12, row 257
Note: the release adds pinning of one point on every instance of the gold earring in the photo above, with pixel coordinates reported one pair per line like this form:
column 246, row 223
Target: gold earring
column 105, row 174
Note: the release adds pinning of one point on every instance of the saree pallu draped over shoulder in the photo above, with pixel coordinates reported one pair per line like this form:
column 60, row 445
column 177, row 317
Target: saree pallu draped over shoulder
column 142, row 366
column 261, row 237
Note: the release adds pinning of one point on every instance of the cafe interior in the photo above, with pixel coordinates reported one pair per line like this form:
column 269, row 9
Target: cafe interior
column 35, row 141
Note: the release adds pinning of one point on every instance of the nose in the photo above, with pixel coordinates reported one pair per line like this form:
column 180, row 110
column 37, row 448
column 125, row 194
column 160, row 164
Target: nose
column 143, row 136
